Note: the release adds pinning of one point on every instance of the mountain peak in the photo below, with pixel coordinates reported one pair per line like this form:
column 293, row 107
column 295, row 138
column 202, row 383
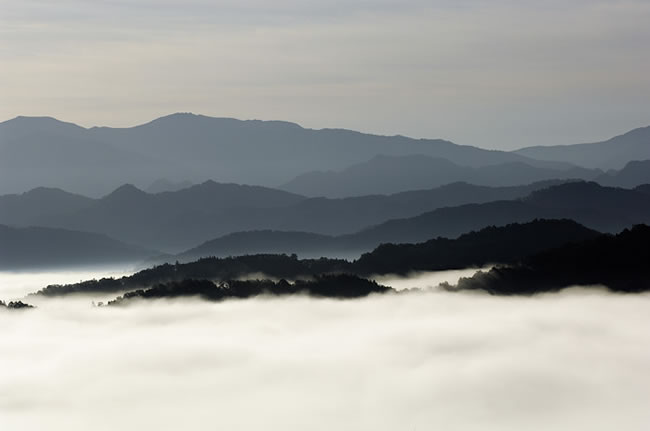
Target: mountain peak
column 638, row 135
column 125, row 191
column 38, row 123
column 188, row 118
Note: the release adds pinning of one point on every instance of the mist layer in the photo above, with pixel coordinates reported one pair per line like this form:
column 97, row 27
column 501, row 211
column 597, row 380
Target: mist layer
column 454, row 361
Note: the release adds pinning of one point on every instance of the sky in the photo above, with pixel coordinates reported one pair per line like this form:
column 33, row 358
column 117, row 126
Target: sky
column 496, row 74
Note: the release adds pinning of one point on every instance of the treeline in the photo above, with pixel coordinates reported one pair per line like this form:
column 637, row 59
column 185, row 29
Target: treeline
column 507, row 244
column 326, row 286
column 211, row 268
column 540, row 256
column 14, row 305
column 492, row 245
column 619, row 262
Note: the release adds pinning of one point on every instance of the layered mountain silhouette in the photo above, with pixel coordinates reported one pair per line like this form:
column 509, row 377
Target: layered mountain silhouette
column 490, row 245
column 26, row 248
column 619, row 262
column 613, row 153
column 40, row 204
column 38, row 151
column 605, row 209
column 247, row 219
column 507, row 244
column 633, row 174
column 161, row 219
column 392, row 174
column 304, row 244
column 174, row 221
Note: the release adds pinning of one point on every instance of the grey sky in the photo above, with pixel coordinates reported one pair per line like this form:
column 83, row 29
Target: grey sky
column 497, row 74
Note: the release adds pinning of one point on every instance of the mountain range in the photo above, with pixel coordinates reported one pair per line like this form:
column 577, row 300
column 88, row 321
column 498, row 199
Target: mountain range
column 392, row 174
column 604, row 209
column 506, row 245
column 633, row 174
column 174, row 221
column 618, row 262
column 37, row 151
column 342, row 192
column 613, row 153
column 248, row 219
column 37, row 247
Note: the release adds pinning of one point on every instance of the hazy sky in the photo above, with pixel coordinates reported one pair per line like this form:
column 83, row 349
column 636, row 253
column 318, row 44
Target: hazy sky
column 498, row 73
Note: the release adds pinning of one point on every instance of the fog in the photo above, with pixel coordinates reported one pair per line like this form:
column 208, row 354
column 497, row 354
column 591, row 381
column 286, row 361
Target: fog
column 416, row 361
column 426, row 279
column 15, row 285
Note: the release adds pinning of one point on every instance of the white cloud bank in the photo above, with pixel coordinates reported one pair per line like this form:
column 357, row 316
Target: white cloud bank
column 569, row 361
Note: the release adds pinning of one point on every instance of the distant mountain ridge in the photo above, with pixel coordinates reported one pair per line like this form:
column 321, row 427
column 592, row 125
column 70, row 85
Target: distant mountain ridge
column 613, row 153
column 129, row 213
column 178, row 220
column 634, row 173
column 604, row 209
column 35, row 247
column 38, row 151
column 25, row 208
column 393, row 174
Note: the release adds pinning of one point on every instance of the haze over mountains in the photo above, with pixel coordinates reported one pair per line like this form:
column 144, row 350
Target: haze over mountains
column 233, row 219
column 174, row 221
column 37, row 247
column 600, row 208
column 342, row 193
column 507, row 244
column 613, row 153
column 393, row 174
column 41, row 151
column 633, row 174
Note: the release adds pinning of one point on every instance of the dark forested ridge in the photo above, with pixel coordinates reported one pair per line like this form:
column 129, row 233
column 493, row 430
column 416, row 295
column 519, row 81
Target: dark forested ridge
column 573, row 255
column 304, row 244
column 326, row 286
column 273, row 266
column 619, row 262
column 605, row 209
column 14, row 305
column 491, row 245
column 475, row 249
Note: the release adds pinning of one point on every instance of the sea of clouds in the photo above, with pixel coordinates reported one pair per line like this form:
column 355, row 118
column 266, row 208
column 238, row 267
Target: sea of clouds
column 576, row 360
